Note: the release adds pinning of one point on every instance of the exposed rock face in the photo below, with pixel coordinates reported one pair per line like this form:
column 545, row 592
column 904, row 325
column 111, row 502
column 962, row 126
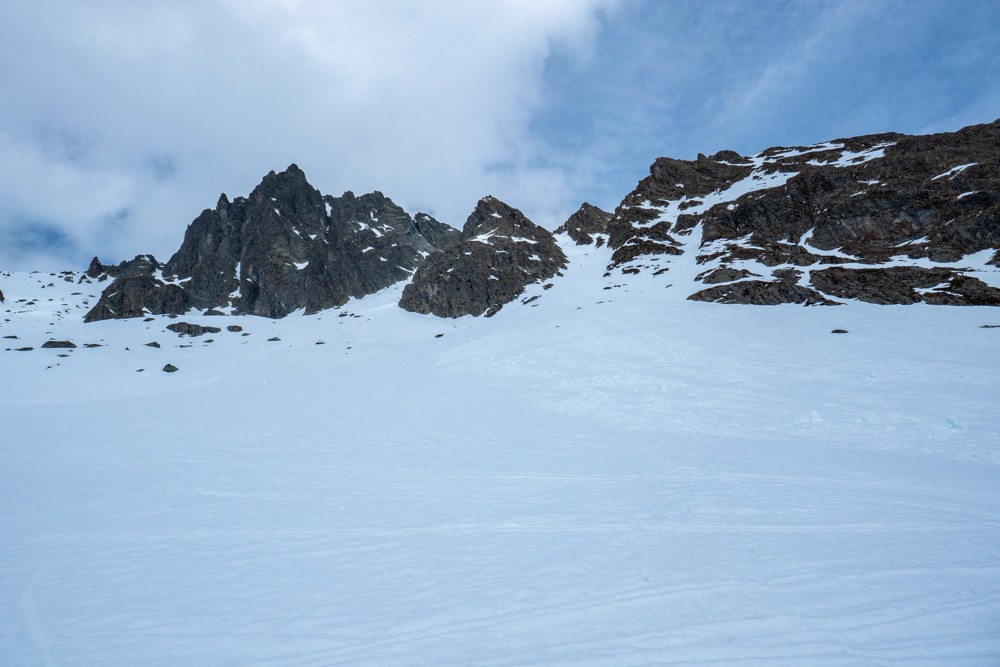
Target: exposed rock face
column 283, row 248
column 500, row 252
column 141, row 265
column 137, row 295
column 884, row 218
column 585, row 223
column 906, row 284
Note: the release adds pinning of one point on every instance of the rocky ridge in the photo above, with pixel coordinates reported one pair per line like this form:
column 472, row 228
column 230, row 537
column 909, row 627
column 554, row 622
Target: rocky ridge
column 285, row 247
column 499, row 253
column 888, row 218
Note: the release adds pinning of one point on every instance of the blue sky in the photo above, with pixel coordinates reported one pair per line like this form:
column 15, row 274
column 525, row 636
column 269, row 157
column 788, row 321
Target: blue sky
column 122, row 121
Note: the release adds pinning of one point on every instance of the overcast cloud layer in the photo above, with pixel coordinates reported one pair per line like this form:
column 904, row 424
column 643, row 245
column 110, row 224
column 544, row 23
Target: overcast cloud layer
column 122, row 121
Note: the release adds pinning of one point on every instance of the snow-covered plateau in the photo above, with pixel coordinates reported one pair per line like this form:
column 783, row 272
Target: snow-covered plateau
column 596, row 476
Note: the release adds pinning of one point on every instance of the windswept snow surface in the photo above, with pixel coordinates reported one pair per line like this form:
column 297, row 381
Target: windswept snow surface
column 597, row 476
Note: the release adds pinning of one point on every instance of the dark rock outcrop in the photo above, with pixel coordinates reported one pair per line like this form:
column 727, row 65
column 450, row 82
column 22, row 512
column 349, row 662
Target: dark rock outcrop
column 189, row 329
column 906, row 284
column 58, row 344
column 499, row 253
column 141, row 265
column 761, row 293
column 285, row 247
column 135, row 295
column 864, row 217
column 588, row 221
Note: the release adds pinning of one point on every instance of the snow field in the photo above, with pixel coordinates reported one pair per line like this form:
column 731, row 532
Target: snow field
column 599, row 477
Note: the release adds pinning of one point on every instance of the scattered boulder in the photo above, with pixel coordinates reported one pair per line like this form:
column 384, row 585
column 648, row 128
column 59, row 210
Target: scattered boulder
column 839, row 331
column 170, row 368
column 58, row 344
column 234, row 328
column 189, row 329
column 153, row 344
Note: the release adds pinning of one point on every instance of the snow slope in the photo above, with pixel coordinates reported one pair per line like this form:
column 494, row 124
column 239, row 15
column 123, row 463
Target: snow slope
column 597, row 476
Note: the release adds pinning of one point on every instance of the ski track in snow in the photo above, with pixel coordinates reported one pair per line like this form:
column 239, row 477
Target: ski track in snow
column 598, row 476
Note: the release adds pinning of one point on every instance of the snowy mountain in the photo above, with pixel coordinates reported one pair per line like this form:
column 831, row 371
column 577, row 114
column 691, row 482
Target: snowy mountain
column 604, row 471
column 888, row 218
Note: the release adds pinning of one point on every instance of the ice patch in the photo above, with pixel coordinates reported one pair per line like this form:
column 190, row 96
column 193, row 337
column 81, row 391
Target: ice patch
column 853, row 158
column 954, row 171
column 757, row 180
column 760, row 158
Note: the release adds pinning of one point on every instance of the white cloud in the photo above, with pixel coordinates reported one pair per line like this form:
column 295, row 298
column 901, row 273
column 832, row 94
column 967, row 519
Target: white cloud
column 126, row 119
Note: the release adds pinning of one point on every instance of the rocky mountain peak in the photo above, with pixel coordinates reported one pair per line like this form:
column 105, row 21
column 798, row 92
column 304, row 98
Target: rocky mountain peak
column 285, row 247
column 588, row 221
column 140, row 265
column 499, row 253
column 287, row 192
column 494, row 216
column 885, row 218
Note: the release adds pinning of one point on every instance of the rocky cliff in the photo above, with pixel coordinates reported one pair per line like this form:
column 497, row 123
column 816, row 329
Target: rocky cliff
column 887, row 218
column 283, row 248
column 588, row 225
column 499, row 253
column 884, row 218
